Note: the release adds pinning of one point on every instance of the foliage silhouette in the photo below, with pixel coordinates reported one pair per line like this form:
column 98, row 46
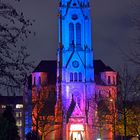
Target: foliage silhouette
column 14, row 63
column 8, row 128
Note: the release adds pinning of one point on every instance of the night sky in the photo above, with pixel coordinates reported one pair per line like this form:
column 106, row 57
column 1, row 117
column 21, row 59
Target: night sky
column 111, row 29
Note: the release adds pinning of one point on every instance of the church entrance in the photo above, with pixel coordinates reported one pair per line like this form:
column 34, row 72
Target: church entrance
column 77, row 132
column 76, row 135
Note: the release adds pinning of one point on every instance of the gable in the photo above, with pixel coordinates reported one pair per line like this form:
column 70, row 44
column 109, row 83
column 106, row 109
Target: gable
column 73, row 4
column 77, row 111
column 74, row 56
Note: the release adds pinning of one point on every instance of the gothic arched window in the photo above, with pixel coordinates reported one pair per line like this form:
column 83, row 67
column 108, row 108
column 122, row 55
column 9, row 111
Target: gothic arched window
column 78, row 34
column 75, row 76
column 71, row 76
column 71, row 33
column 109, row 80
column 114, row 80
column 80, row 76
column 39, row 80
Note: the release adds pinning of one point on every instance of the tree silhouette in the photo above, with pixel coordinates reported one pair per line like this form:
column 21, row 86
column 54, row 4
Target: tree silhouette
column 132, row 120
column 105, row 114
column 8, row 128
column 43, row 103
column 14, row 29
column 128, row 91
column 133, row 55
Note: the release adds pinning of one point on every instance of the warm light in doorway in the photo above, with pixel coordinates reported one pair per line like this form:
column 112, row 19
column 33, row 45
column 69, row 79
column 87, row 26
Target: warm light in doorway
column 75, row 127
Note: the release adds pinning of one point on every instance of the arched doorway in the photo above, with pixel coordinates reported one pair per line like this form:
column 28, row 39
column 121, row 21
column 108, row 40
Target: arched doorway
column 76, row 135
column 77, row 132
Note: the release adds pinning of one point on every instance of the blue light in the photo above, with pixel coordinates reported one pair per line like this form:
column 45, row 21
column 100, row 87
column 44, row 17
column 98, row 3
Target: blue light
column 77, row 53
column 28, row 120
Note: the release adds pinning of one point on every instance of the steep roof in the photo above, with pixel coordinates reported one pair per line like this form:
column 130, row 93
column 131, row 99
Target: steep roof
column 49, row 66
column 99, row 66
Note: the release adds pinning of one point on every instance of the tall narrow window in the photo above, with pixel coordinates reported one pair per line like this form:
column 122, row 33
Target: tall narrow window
column 71, row 77
column 78, row 34
column 80, row 76
column 75, row 76
column 109, row 80
column 71, row 34
column 114, row 80
column 109, row 94
column 39, row 80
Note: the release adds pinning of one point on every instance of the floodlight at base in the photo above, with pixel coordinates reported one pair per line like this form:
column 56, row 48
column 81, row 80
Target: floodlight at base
column 98, row 138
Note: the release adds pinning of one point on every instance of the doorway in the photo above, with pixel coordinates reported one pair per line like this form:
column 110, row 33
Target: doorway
column 76, row 132
column 76, row 135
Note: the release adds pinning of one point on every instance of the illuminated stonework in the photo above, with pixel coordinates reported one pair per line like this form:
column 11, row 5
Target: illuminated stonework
column 76, row 85
column 77, row 69
column 82, row 82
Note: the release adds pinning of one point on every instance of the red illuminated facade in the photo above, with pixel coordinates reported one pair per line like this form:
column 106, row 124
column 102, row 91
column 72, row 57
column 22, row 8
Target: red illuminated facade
column 44, row 105
column 73, row 98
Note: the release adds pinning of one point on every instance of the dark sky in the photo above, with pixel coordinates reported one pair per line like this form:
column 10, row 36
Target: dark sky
column 111, row 29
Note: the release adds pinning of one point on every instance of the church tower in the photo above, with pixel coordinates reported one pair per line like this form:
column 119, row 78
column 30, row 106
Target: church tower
column 75, row 70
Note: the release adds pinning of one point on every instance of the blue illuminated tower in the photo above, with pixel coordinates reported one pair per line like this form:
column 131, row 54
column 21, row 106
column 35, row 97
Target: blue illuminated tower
column 75, row 69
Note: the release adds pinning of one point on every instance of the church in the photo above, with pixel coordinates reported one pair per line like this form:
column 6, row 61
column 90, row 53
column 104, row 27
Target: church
column 73, row 97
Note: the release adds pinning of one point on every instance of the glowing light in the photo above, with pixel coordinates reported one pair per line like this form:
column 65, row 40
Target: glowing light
column 67, row 90
column 3, row 106
column 75, row 127
column 19, row 106
column 79, row 136
column 98, row 138
column 19, row 123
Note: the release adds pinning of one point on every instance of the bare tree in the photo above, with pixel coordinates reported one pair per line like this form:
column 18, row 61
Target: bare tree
column 132, row 116
column 105, row 113
column 43, row 103
column 14, row 63
column 133, row 55
column 135, row 120
column 128, row 91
